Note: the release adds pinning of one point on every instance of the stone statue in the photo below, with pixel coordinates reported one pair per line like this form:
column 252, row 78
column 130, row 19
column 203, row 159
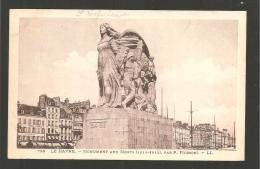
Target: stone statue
column 126, row 71
column 108, row 75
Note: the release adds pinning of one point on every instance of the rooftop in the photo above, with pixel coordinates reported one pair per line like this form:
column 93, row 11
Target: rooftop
column 24, row 109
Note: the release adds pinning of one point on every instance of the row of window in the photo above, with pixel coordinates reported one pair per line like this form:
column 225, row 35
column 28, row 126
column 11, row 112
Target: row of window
column 52, row 109
column 52, row 131
column 30, row 121
column 52, row 123
column 55, row 123
column 31, row 130
column 77, row 137
column 65, row 138
column 51, row 116
column 27, row 138
column 41, row 122
column 42, row 130
column 65, row 131
column 65, row 122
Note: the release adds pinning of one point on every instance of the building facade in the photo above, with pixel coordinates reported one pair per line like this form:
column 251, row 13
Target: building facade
column 181, row 135
column 52, row 110
column 31, row 123
column 78, row 110
column 218, row 139
column 51, row 123
column 65, row 126
column 203, row 136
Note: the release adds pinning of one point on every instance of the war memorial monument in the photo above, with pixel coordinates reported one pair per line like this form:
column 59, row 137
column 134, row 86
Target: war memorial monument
column 126, row 115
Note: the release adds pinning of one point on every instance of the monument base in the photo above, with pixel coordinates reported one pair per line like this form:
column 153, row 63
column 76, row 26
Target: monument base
column 116, row 128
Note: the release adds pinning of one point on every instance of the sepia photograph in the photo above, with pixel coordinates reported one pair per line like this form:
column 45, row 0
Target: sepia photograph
column 127, row 85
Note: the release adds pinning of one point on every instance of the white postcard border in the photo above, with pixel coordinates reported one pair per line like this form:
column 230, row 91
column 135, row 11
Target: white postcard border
column 212, row 155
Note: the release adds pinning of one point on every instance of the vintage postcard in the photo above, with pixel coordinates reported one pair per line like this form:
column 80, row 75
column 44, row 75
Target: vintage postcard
column 131, row 85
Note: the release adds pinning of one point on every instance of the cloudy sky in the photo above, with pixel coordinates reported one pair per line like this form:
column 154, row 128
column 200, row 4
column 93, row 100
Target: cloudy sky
column 195, row 61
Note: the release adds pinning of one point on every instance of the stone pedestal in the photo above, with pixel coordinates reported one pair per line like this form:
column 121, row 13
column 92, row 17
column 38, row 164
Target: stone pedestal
column 115, row 128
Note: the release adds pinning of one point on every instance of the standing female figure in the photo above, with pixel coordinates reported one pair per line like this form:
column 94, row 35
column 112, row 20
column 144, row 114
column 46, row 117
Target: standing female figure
column 108, row 75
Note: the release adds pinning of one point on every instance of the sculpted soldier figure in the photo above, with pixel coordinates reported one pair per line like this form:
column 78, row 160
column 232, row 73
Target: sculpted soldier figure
column 151, row 76
column 130, row 74
column 126, row 72
column 141, row 92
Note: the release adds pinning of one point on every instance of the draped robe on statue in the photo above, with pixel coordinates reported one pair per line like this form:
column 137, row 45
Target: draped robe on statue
column 116, row 89
column 108, row 75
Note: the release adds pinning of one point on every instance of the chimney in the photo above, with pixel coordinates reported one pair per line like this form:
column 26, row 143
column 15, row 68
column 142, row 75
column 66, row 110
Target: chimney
column 42, row 101
column 57, row 101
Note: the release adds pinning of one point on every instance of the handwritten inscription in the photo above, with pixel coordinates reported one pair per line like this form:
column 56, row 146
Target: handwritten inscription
column 99, row 13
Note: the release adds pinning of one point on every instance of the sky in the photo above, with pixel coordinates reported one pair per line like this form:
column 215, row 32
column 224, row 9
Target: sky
column 195, row 61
